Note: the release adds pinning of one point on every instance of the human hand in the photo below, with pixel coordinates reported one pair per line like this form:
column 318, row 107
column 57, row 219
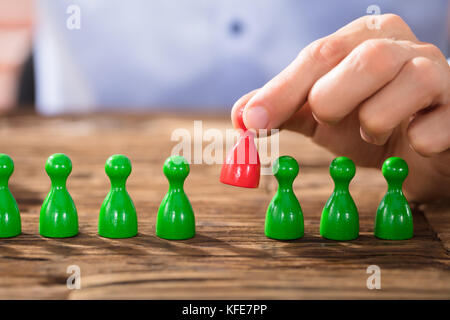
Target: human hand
column 368, row 94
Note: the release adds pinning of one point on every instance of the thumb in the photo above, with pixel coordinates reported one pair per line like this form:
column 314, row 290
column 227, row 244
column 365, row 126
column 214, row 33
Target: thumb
column 279, row 99
column 237, row 110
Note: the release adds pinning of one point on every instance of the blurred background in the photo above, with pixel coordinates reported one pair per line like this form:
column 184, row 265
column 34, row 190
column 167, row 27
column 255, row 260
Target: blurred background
column 71, row 56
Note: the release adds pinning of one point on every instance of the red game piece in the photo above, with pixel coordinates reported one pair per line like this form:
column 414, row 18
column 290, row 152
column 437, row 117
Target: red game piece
column 242, row 166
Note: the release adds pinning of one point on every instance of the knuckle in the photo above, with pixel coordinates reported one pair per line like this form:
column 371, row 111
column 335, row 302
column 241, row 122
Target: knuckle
column 373, row 125
column 320, row 107
column 314, row 101
column 375, row 56
column 391, row 20
column 319, row 110
column 327, row 51
column 393, row 25
column 432, row 51
column 425, row 74
column 419, row 142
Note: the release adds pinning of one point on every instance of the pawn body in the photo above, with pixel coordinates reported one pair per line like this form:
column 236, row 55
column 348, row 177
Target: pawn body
column 284, row 217
column 242, row 167
column 58, row 217
column 340, row 220
column 394, row 219
column 117, row 218
column 175, row 220
column 10, row 224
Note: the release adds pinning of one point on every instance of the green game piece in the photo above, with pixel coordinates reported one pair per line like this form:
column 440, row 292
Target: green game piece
column 10, row 225
column 394, row 220
column 118, row 217
column 175, row 219
column 58, row 218
column 284, row 217
column 340, row 219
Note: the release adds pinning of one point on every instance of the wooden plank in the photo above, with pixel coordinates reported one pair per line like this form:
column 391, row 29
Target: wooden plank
column 230, row 257
column 438, row 217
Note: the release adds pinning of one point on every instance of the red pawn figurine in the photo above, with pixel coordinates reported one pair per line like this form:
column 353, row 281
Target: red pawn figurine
column 242, row 166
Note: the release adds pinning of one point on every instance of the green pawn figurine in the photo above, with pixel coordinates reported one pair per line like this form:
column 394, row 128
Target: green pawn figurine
column 175, row 219
column 284, row 217
column 394, row 220
column 340, row 220
column 118, row 217
column 58, row 218
column 10, row 225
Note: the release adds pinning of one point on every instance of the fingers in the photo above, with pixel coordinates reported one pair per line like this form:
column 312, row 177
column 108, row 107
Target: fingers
column 420, row 84
column 302, row 121
column 281, row 97
column 236, row 111
column 428, row 133
column 362, row 73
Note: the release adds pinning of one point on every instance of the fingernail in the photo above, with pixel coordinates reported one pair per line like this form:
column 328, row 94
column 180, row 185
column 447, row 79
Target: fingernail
column 365, row 136
column 256, row 118
column 317, row 119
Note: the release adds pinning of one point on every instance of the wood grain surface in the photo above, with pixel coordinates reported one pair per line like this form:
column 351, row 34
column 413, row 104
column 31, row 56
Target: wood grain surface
column 229, row 257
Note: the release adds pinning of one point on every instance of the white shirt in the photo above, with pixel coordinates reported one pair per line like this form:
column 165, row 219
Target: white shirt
column 141, row 54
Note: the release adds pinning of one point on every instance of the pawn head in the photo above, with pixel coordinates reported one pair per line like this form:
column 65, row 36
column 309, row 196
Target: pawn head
column 6, row 166
column 176, row 168
column 395, row 169
column 285, row 168
column 342, row 169
column 58, row 165
column 118, row 166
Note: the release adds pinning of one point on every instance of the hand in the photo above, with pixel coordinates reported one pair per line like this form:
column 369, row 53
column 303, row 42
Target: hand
column 367, row 94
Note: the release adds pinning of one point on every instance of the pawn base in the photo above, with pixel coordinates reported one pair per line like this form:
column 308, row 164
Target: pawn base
column 281, row 237
column 339, row 237
column 175, row 237
column 241, row 175
column 117, row 235
column 387, row 236
column 69, row 235
column 10, row 234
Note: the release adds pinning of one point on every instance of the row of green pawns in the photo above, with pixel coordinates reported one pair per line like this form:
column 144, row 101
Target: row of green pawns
column 340, row 220
column 175, row 219
column 117, row 219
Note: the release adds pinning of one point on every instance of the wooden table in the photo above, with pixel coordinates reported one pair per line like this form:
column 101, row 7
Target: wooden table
column 229, row 257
